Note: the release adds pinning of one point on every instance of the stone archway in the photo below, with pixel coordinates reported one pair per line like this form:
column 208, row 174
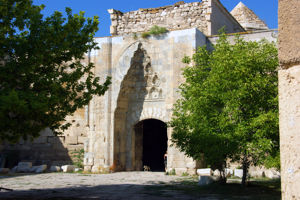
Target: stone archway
column 130, row 100
column 151, row 143
column 141, row 96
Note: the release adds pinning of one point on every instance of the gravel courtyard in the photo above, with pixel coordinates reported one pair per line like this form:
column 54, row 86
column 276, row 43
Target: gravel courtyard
column 123, row 185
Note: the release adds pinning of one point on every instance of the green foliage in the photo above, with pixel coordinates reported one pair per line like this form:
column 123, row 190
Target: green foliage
column 171, row 173
column 184, row 174
column 229, row 105
column 157, row 30
column 77, row 157
column 42, row 78
column 145, row 35
column 154, row 30
column 186, row 60
column 273, row 161
column 134, row 36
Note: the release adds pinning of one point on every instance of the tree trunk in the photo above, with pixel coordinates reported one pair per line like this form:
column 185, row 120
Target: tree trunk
column 245, row 170
column 223, row 178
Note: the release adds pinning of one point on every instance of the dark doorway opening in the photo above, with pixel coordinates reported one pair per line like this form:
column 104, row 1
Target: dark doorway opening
column 155, row 143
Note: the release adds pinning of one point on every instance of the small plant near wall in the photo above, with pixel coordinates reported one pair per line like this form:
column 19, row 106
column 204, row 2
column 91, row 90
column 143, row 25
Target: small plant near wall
column 155, row 30
column 145, row 35
column 77, row 158
column 184, row 174
column 172, row 172
column 134, row 36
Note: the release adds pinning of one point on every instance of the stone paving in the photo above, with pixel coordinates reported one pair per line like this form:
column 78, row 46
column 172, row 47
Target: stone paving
column 123, row 185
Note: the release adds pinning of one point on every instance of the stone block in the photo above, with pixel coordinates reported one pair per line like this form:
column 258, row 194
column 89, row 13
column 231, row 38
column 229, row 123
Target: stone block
column 41, row 169
column 4, row 170
column 33, row 168
column 216, row 173
column 204, row 172
column 72, row 140
column 88, row 159
column 111, row 11
column 256, row 172
column 24, row 167
column 87, row 168
column 238, row 173
column 40, row 140
column 271, row 173
column 68, row 168
column 14, row 169
column 113, row 30
column 191, row 165
column 205, row 180
column 114, row 23
column 46, row 132
column 99, row 162
column 81, row 140
column 55, row 169
column 95, row 169
column 228, row 172
column 52, row 139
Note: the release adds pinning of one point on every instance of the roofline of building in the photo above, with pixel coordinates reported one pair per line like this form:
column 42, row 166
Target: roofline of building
column 225, row 11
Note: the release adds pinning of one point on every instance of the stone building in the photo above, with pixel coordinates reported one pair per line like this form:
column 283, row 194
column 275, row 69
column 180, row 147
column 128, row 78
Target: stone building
column 127, row 127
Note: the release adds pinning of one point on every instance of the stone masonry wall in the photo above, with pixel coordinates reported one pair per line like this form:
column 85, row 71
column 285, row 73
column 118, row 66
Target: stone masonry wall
column 289, row 97
column 178, row 16
column 48, row 148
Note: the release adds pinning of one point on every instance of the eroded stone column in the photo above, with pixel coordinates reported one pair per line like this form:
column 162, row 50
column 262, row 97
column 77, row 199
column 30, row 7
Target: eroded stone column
column 289, row 97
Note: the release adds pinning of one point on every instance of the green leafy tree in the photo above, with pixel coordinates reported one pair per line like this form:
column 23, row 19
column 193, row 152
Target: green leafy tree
column 229, row 106
column 41, row 77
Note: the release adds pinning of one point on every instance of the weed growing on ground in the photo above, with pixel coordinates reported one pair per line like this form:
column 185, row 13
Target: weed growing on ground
column 184, row 174
column 77, row 157
column 171, row 173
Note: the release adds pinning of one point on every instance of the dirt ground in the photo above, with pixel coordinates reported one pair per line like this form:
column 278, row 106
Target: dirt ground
column 131, row 186
column 123, row 185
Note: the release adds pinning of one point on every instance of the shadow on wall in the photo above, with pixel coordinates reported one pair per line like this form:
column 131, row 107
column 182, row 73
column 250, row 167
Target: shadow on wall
column 46, row 149
column 130, row 102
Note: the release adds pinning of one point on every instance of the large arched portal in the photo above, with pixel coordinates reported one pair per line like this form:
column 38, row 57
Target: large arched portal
column 151, row 143
column 140, row 97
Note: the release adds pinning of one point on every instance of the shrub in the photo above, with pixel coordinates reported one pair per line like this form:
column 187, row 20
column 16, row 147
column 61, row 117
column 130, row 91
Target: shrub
column 154, row 30
column 145, row 35
column 157, row 30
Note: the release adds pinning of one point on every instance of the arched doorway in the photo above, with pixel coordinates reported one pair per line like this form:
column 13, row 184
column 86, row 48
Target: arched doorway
column 151, row 144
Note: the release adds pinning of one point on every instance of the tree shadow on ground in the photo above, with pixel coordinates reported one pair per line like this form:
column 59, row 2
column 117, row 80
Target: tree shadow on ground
column 187, row 189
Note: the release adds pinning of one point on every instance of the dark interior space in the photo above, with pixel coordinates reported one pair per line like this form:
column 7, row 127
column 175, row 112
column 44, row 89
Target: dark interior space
column 154, row 144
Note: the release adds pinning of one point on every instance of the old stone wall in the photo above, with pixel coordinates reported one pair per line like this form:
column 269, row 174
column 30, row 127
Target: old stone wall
column 289, row 97
column 270, row 35
column 48, row 148
column 208, row 16
column 179, row 16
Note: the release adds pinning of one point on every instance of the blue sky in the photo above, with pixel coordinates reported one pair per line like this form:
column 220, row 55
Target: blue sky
column 265, row 9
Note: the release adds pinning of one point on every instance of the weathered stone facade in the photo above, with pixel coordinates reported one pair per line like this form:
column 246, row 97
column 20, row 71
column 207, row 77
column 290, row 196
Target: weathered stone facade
column 289, row 97
column 208, row 16
column 146, row 74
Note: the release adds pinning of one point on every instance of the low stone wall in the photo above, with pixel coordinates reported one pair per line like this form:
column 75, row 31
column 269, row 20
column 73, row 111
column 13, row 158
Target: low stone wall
column 48, row 148
column 178, row 16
